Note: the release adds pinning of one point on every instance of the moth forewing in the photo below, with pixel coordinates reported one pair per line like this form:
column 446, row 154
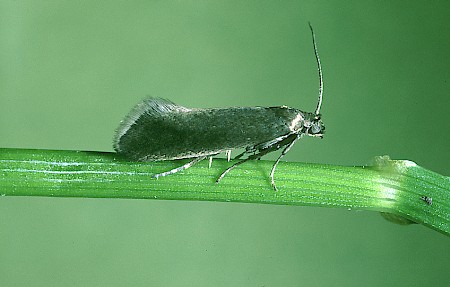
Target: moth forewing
column 168, row 133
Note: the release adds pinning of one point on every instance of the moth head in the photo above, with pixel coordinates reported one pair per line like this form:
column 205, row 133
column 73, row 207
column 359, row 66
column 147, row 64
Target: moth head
column 313, row 126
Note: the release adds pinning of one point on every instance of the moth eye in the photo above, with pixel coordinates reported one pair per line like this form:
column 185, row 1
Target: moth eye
column 316, row 128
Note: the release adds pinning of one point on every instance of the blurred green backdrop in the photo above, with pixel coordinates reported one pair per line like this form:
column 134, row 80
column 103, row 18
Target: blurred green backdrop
column 70, row 70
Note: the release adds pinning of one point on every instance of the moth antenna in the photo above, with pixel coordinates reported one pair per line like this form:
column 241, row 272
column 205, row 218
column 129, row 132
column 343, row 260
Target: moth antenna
column 319, row 68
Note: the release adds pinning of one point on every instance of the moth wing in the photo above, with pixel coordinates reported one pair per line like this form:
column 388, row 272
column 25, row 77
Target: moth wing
column 155, row 107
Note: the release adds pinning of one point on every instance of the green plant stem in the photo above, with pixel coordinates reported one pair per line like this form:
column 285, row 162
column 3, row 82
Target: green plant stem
column 395, row 187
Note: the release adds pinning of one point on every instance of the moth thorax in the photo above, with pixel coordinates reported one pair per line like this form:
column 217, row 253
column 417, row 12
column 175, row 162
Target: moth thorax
column 296, row 124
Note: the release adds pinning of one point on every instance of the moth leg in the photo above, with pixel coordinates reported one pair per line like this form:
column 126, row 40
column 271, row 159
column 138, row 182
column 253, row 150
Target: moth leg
column 263, row 149
column 232, row 167
column 240, row 155
column 211, row 159
column 272, row 172
column 228, row 153
column 183, row 167
column 254, row 156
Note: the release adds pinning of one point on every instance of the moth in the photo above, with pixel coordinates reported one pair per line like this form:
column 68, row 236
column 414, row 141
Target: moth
column 157, row 129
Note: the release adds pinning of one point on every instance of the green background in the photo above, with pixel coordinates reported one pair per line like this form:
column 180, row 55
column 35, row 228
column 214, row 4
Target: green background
column 70, row 70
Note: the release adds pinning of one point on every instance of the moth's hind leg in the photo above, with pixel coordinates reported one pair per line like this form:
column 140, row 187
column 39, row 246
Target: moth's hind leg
column 232, row 167
column 183, row 167
column 254, row 156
